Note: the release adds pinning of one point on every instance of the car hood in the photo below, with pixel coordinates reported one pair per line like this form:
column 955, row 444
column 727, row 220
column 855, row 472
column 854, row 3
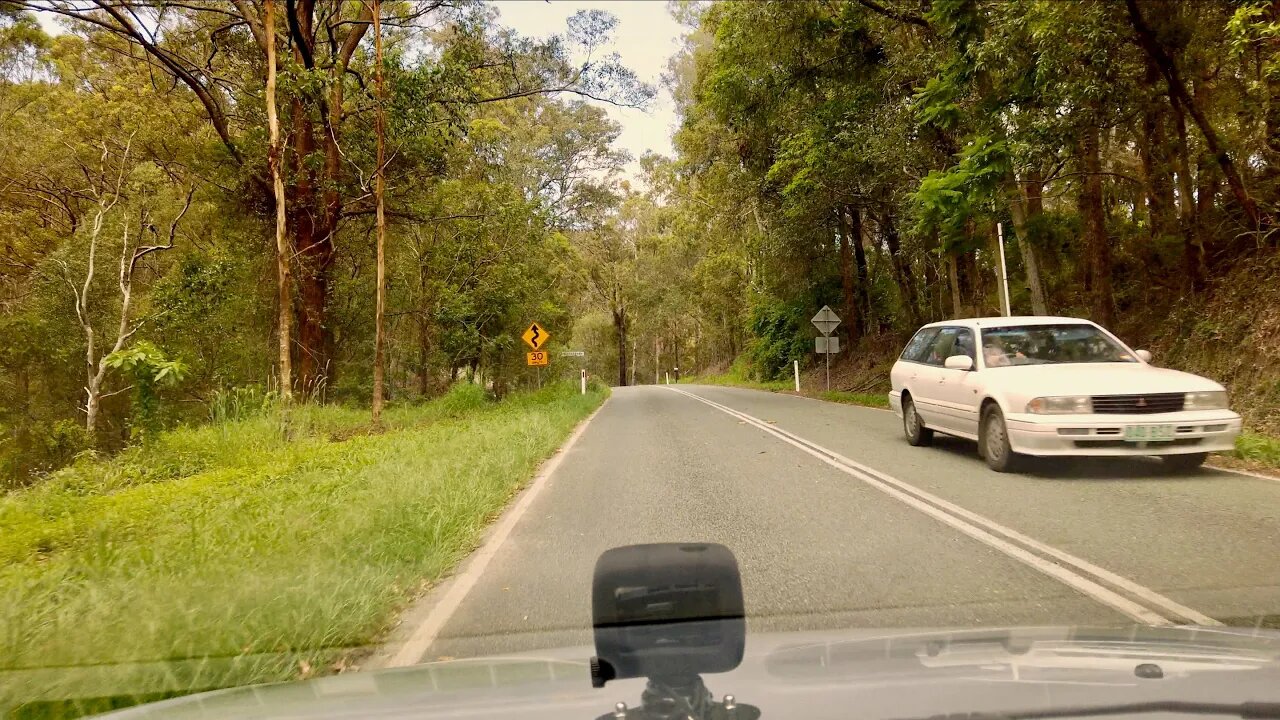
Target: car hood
column 881, row 674
column 1098, row 379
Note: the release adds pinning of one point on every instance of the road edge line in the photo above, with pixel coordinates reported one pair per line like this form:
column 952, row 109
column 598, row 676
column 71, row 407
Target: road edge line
column 412, row 649
column 1243, row 473
column 980, row 528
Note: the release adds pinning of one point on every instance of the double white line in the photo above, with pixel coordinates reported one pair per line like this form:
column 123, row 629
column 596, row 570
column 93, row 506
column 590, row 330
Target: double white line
column 1122, row 594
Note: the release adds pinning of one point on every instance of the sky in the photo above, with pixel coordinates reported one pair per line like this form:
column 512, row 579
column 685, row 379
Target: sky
column 646, row 37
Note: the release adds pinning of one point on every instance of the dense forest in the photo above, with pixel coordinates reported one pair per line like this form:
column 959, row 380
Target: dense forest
column 207, row 206
column 199, row 203
column 869, row 154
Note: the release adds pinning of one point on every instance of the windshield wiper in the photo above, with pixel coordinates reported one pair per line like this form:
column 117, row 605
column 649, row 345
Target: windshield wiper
column 1246, row 710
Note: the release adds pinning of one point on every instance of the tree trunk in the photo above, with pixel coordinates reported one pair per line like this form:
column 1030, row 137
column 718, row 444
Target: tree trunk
column 901, row 270
column 380, row 304
column 284, row 296
column 848, row 303
column 1031, row 265
column 1178, row 91
column 1097, row 246
column 93, row 400
column 1207, row 181
column 424, row 358
column 620, row 329
column 953, row 275
column 675, row 366
column 860, row 267
column 1153, row 151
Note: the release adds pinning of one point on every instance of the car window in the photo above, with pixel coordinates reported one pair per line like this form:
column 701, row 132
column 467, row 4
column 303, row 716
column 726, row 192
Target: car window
column 918, row 349
column 1049, row 344
column 950, row 341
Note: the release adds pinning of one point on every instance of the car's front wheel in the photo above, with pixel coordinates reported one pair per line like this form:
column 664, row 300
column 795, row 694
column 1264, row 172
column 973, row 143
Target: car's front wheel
column 917, row 434
column 994, row 439
column 1184, row 462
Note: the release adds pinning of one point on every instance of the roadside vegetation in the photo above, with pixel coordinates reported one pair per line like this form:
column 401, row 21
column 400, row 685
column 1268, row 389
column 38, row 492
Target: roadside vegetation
column 228, row 554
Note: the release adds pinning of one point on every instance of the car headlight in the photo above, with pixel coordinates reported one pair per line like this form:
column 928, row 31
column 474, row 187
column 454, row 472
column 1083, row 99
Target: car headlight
column 1210, row 400
column 1067, row 405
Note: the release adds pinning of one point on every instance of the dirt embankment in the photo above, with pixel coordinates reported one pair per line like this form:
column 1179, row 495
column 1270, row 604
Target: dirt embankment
column 1230, row 333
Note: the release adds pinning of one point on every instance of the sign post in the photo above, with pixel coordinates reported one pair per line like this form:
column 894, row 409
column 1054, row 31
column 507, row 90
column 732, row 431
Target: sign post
column 1004, row 271
column 827, row 321
column 584, row 382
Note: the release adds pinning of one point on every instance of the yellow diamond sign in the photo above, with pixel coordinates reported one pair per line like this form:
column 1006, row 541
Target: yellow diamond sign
column 535, row 336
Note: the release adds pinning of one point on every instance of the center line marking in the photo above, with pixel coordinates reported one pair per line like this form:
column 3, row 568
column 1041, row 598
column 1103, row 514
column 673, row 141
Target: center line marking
column 987, row 531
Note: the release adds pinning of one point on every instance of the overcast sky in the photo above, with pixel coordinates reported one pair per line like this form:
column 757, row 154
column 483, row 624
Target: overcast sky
column 646, row 37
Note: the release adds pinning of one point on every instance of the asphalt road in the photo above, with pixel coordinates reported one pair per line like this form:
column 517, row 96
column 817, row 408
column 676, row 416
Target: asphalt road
column 823, row 546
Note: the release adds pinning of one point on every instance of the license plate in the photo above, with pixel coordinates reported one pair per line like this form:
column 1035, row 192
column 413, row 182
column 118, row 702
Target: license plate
column 1148, row 433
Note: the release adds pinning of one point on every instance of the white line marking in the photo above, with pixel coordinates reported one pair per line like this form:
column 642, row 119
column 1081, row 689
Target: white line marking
column 411, row 652
column 1233, row 471
column 1245, row 473
column 982, row 529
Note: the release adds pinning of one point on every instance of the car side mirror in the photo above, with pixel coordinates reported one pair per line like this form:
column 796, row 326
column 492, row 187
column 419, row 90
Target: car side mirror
column 1143, row 355
column 959, row 362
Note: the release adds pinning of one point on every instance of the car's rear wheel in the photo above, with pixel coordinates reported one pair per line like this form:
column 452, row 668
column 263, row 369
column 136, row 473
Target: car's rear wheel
column 994, row 440
column 917, row 434
column 1184, row 462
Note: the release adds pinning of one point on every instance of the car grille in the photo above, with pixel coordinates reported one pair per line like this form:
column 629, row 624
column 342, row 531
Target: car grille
column 1138, row 404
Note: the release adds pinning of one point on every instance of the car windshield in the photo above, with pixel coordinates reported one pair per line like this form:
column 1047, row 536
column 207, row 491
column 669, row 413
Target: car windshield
column 1050, row 344
column 346, row 336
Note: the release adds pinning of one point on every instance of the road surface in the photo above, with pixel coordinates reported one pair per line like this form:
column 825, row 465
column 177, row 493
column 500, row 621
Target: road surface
column 838, row 523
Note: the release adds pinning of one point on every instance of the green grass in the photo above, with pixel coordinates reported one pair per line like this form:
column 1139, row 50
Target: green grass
column 876, row 400
column 226, row 555
column 738, row 374
column 732, row 381
column 735, row 377
column 1261, row 449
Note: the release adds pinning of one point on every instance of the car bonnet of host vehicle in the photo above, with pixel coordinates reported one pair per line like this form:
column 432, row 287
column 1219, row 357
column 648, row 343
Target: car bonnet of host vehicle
column 652, row 623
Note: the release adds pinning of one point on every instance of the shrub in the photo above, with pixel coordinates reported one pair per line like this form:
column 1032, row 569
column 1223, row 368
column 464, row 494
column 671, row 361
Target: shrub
column 462, row 398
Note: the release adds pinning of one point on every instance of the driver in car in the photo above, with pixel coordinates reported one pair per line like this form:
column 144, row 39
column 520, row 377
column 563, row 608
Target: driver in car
column 993, row 353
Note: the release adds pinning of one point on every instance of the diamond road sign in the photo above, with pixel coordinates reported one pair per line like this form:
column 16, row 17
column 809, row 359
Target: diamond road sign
column 536, row 336
column 826, row 320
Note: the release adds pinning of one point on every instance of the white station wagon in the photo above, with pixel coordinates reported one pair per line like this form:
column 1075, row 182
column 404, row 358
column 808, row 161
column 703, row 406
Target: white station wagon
column 1054, row 386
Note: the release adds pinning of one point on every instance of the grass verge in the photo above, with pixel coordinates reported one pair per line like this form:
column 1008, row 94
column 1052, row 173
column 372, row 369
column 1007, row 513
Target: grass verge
column 227, row 555
column 875, row 400
column 731, row 379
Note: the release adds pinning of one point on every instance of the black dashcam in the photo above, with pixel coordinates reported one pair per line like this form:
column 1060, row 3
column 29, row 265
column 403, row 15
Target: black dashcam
column 666, row 610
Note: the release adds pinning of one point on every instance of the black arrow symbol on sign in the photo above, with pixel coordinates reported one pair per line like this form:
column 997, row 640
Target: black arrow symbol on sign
column 536, row 335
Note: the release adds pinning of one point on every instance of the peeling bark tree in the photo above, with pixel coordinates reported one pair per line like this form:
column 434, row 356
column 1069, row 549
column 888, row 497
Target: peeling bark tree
column 284, row 295
column 1030, row 263
column 106, row 190
column 379, row 340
